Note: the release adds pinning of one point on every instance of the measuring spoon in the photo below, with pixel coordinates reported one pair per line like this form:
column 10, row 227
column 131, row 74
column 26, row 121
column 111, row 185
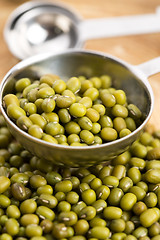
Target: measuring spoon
column 39, row 26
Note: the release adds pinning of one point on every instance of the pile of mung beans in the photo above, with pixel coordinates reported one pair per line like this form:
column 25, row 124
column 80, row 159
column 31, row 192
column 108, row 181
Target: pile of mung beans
column 120, row 200
column 79, row 112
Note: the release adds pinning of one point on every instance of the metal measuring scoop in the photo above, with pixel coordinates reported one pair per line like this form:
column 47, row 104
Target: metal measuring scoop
column 132, row 79
column 37, row 27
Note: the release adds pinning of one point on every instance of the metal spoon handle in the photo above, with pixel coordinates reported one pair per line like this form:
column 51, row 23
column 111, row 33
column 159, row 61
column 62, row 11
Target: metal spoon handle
column 150, row 67
column 119, row 26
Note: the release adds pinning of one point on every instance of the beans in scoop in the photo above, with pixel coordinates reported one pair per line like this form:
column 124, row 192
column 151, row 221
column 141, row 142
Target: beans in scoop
column 78, row 112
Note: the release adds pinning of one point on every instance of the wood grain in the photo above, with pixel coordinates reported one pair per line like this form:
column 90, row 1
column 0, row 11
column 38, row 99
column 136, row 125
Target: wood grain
column 133, row 49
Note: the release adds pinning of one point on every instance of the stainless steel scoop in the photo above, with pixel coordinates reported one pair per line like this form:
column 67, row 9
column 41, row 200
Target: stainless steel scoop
column 39, row 26
column 132, row 79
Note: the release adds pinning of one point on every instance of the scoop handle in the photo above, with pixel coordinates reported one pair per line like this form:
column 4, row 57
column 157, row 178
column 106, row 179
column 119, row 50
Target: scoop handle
column 120, row 26
column 150, row 67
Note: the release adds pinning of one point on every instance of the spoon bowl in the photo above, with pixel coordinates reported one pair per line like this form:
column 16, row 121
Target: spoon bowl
column 37, row 26
column 132, row 79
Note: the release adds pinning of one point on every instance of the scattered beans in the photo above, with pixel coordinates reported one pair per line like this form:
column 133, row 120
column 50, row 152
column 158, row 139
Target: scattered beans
column 119, row 200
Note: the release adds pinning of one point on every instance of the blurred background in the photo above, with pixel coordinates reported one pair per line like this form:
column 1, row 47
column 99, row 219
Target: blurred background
column 133, row 49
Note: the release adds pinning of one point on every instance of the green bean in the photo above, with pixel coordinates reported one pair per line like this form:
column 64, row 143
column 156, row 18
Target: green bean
column 72, row 128
column 99, row 108
column 149, row 216
column 49, row 138
column 37, row 181
column 91, row 92
column 13, row 212
column 127, row 201
column 92, row 114
column 139, row 207
column 143, row 185
column 86, row 101
column 119, row 111
column 111, row 181
column 6, row 236
column 45, row 212
column 129, row 227
column 52, row 128
column 98, row 222
column 108, row 134
column 140, row 232
column 102, row 192
column 28, row 206
column 99, row 232
column 14, row 111
column 33, row 230
column 47, row 200
column 111, row 212
column 108, row 99
column 130, row 237
column 4, row 184
column 139, row 192
column 69, row 218
column 153, row 176
column 137, row 162
column 35, row 131
column 59, row 86
column 105, row 121
column 95, row 183
column 72, row 197
column 117, row 225
column 60, row 196
column 105, row 171
column 119, row 123
column 77, row 110
column 115, row 196
column 12, row 226
column 119, row 171
column 120, row 97
column 81, row 227
column 122, row 158
column 74, row 84
column 10, row 99
column 106, row 81
column 45, row 92
column 88, row 178
column 153, row 153
column 139, row 150
column 87, row 213
column 134, row 111
column 48, row 78
column 64, row 186
column 118, row 236
column 30, row 108
column 64, row 206
column 4, row 201
column 78, row 207
column 134, row 174
column 89, row 196
column 130, row 123
column 150, row 199
column 87, row 137
column 154, row 229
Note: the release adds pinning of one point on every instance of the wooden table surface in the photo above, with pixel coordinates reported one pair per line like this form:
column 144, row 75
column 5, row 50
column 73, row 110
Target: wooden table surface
column 133, row 49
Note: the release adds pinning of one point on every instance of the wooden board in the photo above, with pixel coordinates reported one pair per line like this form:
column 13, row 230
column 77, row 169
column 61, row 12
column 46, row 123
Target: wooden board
column 133, row 49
